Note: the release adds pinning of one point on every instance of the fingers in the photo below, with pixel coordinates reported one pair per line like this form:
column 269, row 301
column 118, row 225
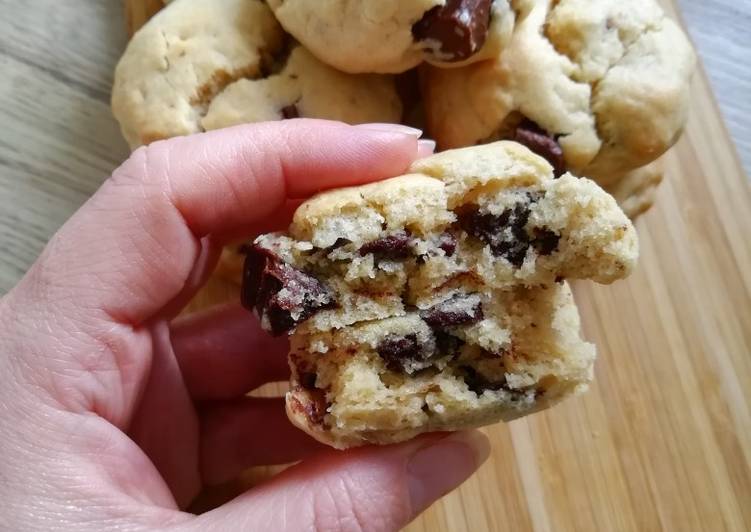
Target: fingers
column 425, row 147
column 247, row 432
column 249, row 174
column 279, row 220
column 135, row 250
column 165, row 425
column 211, row 248
column 223, row 353
column 130, row 250
column 371, row 488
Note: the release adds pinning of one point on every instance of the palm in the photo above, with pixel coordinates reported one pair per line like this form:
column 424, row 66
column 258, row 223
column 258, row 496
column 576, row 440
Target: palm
column 170, row 440
column 200, row 375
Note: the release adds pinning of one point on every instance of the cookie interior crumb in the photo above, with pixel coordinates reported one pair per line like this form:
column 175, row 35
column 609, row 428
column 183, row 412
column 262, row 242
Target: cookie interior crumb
column 437, row 300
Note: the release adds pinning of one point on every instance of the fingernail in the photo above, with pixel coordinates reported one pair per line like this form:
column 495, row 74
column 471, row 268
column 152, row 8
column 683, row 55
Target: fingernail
column 425, row 147
column 435, row 470
column 393, row 128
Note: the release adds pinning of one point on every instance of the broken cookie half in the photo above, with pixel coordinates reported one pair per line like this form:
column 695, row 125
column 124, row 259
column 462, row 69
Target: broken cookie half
column 437, row 300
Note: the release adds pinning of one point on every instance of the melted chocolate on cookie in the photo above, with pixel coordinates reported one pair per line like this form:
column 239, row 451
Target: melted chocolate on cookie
column 507, row 233
column 282, row 295
column 542, row 143
column 456, row 30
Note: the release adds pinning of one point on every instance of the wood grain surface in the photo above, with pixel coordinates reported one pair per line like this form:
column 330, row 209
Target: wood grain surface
column 137, row 12
column 663, row 439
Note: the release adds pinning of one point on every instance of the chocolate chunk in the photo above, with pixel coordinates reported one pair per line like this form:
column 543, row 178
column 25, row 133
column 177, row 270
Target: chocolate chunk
column 459, row 310
column 447, row 344
column 282, row 295
column 396, row 246
column 539, row 141
column 307, row 380
column 316, row 406
column 315, row 410
column 477, row 382
column 255, row 263
column 397, row 351
column 447, row 242
column 546, row 241
column 504, row 233
column 455, row 30
column 290, row 111
column 336, row 245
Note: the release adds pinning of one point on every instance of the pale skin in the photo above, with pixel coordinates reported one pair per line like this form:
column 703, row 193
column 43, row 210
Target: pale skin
column 99, row 424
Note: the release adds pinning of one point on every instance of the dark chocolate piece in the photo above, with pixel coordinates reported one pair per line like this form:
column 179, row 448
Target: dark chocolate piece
column 396, row 246
column 397, row 351
column 546, row 241
column 456, row 30
column 253, row 268
column 447, row 242
column 504, row 233
column 447, row 344
column 282, row 296
column 290, row 111
column 459, row 310
column 316, row 409
column 542, row 143
column 307, row 380
column 477, row 382
column 336, row 245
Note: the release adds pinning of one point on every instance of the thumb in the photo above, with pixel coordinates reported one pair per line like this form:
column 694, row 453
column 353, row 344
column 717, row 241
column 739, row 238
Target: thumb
column 369, row 489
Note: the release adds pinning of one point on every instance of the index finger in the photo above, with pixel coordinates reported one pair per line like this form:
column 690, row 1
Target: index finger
column 130, row 249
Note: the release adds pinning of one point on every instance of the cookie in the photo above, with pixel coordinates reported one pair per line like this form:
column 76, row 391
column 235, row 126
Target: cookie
column 438, row 299
column 597, row 87
column 636, row 190
column 305, row 87
column 390, row 36
column 200, row 65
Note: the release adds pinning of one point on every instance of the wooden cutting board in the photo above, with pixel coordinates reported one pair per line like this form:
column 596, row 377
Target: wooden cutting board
column 137, row 12
column 662, row 441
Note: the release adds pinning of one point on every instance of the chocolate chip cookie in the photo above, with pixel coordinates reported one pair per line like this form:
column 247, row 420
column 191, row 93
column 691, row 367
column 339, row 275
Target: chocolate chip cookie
column 200, row 65
column 438, row 299
column 596, row 87
column 390, row 36
column 636, row 190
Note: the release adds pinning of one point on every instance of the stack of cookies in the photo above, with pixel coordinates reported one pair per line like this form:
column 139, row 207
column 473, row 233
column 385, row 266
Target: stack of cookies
column 597, row 87
column 435, row 300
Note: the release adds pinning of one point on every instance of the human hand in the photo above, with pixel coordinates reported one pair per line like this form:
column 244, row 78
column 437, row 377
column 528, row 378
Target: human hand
column 98, row 420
